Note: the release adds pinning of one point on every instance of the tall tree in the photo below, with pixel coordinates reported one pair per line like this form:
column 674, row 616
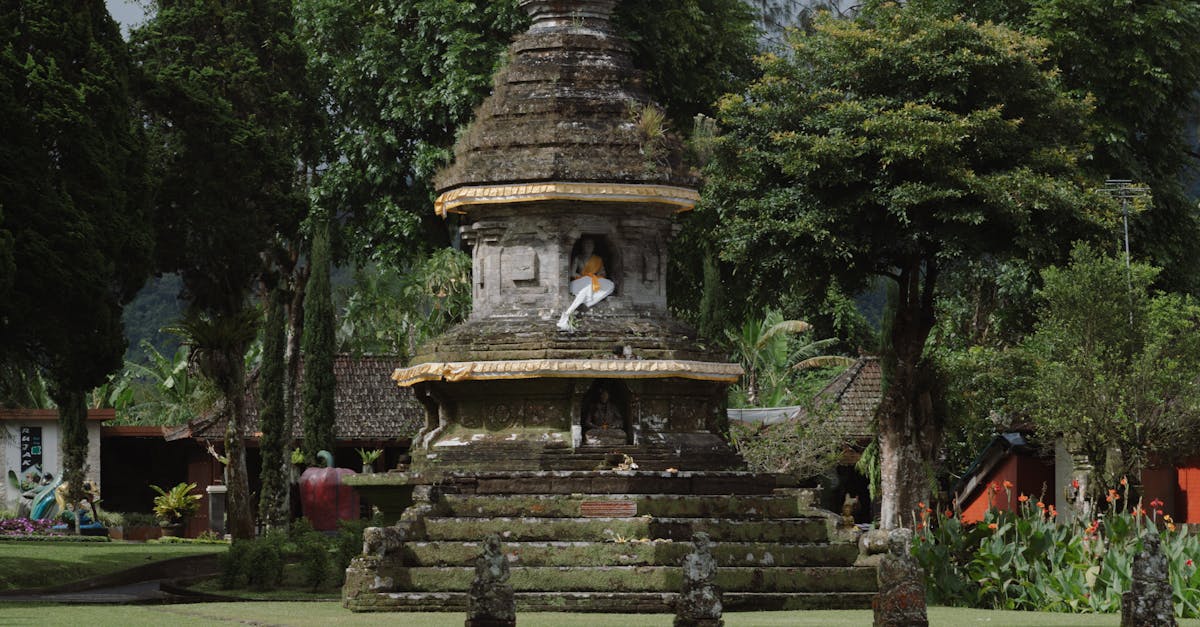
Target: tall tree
column 74, row 245
column 319, row 344
column 1140, row 64
column 1116, row 366
column 886, row 147
column 272, row 418
column 223, row 88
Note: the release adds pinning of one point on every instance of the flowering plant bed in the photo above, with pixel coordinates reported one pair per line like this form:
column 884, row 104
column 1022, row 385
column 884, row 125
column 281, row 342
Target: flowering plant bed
column 1031, row 559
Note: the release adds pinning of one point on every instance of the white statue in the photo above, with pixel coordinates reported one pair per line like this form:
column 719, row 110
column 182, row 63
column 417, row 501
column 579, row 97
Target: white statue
column 589, row 285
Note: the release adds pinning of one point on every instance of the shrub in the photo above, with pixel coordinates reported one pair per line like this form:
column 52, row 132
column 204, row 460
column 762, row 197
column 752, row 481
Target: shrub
column 1030, row 560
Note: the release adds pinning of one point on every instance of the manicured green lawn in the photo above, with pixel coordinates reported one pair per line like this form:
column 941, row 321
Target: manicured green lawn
column 314, row 614
column 45, row 564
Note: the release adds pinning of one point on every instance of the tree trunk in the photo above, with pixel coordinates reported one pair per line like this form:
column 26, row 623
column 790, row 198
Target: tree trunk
column 909, row 431
column 73, row 445
column 241, row 510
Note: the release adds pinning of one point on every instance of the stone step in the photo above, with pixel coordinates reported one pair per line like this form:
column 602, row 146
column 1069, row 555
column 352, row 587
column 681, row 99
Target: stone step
column 641, row 579
column 763, row 506
column 612, row 482
column 630, row 553
column 618, row 602
column 785, row 530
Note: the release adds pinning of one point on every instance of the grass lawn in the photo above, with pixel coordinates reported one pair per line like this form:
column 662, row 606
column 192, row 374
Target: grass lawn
column 45, row 564
column 325, row 613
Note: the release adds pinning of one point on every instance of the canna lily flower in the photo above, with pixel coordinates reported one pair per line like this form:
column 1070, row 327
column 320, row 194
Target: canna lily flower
column 1124, row 481
column 1022, row 498
column 1007, row 484
column 1170, row 526
column 1041, row 505
column 1156, row 503
column 992, row 526
column 1075, row 483
column 1188, row 563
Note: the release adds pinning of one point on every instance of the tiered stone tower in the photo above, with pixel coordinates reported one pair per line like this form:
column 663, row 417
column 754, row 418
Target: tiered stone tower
column 593, row 452
column 563, row 155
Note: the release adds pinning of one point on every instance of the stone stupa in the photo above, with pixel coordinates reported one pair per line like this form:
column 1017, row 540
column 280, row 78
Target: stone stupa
column 560, row 167
column 591, row 444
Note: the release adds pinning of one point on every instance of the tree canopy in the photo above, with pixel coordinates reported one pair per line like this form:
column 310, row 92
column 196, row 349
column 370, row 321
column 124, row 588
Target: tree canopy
column 887, row 146
column 1139, row 64
column 1117, row 365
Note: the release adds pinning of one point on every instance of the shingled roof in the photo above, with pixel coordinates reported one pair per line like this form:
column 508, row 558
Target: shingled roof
column 857, row 392
column 368, row 405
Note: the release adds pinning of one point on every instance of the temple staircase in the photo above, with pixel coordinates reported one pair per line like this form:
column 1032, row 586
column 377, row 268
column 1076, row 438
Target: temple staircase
column 612, row 541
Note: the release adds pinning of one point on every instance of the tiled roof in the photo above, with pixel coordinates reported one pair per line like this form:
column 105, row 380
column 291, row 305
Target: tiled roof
column 368, row 405
column 857, row 391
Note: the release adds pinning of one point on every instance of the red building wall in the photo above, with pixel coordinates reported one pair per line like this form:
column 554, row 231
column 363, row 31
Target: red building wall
column 1188, row 495
column 1028, row 474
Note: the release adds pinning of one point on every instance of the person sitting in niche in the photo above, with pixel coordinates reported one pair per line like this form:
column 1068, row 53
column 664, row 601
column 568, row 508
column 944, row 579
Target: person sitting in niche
column 603, row 423
column 589, row 284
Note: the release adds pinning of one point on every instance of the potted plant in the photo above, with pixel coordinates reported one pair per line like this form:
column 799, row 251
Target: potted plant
column 174, row 507
column 368, row 458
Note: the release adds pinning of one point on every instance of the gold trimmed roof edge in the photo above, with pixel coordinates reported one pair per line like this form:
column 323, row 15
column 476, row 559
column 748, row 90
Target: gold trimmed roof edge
column 456, row 200
column 566, row 368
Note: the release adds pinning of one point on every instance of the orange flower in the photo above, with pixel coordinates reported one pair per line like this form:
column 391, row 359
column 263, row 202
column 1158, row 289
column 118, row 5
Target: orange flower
column 1124, row 481
column 1170, row 526
column 920, row 504
column 1156, row 503
column 1053, row 512
column 992, row 526
column 1008, row 485
column 949, row 514
column 995, row 487
column 1022, row 498
column 1167, row 517
column 1041, row 505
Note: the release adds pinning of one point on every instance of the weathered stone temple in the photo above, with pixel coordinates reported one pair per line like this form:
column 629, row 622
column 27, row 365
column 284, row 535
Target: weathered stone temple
column 571, row 414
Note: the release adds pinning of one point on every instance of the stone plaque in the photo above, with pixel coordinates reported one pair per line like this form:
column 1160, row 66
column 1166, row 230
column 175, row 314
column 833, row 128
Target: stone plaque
column 608, row 509
column 519, row 263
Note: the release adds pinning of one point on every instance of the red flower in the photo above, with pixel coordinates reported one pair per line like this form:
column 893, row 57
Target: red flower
column 1022, row 498
column 1189, row 562
column 1075, row 483
column 1156, row 503
column 1041, row 505
column 992, row 526
column 1008, row 485
column 1124, row 481
column 949, row 514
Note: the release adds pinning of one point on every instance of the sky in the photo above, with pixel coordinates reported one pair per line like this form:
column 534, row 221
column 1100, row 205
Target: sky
column 127, row 13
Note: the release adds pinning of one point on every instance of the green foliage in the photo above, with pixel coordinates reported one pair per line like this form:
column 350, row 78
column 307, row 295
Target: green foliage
column 272, row 417
column 777, row 364
column 177, row 504
column 317, row 345
column 1140, row 64
column 1117, row 365
column 74, row 226
column 295, row 557
column 891, row 146
column 163, row 391
column 808, row 445
column 1031, row 560
column 392, row 312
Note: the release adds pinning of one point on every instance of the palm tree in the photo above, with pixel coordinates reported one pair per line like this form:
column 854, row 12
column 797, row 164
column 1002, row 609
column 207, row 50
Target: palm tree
column 218, row 345
column 765, row 349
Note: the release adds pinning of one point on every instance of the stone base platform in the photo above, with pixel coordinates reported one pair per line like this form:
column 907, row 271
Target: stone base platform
column 605, row 541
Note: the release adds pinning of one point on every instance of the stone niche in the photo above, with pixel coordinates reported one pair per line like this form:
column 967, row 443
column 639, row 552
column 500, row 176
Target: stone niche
column 522, row 254
column 523, row 424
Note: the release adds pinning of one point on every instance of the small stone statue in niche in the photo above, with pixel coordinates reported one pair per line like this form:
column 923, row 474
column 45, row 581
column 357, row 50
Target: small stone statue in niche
column 603, row 422
column 589, row 284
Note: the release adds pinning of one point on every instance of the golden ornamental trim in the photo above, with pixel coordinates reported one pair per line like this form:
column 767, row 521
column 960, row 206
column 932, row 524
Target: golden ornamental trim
column 457, row 200
column 456, row 371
